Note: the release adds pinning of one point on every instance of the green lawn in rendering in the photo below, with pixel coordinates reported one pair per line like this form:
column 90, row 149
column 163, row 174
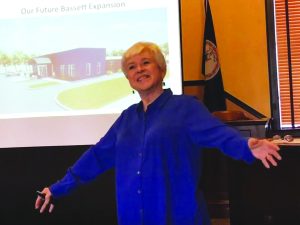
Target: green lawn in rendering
column 44, row 84
column 96, row 95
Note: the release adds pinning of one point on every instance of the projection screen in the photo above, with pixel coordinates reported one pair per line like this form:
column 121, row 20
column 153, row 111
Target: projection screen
column 60, row 77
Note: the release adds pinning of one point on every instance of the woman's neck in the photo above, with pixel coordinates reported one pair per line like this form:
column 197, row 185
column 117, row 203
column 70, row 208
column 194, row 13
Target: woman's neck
column 148, row 98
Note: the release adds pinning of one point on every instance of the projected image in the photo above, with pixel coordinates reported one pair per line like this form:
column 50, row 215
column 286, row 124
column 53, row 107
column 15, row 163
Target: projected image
column 60, row 65
column 71, row 63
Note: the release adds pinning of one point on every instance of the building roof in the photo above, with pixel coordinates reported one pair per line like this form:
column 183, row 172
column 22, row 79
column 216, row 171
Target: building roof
column 42, row 60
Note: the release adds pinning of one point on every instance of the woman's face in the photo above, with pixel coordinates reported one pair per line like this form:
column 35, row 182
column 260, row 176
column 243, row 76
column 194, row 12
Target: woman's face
column 143, row 73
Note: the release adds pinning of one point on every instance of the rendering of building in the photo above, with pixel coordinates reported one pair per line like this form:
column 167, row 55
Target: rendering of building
column 73, row 64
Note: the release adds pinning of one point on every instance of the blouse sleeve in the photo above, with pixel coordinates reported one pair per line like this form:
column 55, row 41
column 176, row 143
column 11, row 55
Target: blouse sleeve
column 96, row 160
column 206, row 130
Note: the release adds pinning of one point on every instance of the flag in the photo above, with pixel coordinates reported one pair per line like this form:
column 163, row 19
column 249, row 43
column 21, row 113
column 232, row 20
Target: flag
column 214, row 96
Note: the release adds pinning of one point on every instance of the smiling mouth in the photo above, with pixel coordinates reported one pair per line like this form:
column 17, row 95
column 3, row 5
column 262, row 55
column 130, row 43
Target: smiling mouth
column 143, row 77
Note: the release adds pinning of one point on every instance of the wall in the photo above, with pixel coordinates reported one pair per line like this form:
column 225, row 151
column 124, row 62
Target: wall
column 240, row 28
column 26, row 170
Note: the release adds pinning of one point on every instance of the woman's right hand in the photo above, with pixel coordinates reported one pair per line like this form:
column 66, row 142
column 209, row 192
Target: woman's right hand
column 44, row 202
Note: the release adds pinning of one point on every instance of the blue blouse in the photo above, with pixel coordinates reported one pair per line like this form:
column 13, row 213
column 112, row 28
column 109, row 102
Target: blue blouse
column 157, row 160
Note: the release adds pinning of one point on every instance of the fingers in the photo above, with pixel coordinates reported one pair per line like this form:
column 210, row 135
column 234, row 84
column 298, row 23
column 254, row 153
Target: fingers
column 38, row 202
column 43, row 201
column 45, row 204
column 266, row 164
column 273, row 153
column 51, row 208
column 267, row 160
column 271, row 145
column 276, row 155
column 266, row 151
column 271, row 160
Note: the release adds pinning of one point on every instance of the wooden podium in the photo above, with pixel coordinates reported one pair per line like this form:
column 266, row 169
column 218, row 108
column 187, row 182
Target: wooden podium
column 219, row 181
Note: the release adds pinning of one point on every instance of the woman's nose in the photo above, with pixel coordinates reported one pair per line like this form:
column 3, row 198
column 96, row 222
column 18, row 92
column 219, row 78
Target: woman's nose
column 139, row 68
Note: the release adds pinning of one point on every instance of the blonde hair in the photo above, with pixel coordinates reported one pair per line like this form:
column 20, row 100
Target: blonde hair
column 140, row 47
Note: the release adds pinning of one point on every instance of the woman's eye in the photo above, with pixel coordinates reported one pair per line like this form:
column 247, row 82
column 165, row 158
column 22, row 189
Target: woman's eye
column 146, row 62
column 131, row 67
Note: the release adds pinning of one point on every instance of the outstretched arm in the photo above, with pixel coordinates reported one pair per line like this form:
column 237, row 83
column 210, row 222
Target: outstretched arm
column 265, row 151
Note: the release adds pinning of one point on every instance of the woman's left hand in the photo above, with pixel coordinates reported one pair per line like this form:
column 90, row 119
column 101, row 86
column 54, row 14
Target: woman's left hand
column 265, row 151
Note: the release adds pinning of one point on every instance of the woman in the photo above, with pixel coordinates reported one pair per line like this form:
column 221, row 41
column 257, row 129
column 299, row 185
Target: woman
column 155, row 148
